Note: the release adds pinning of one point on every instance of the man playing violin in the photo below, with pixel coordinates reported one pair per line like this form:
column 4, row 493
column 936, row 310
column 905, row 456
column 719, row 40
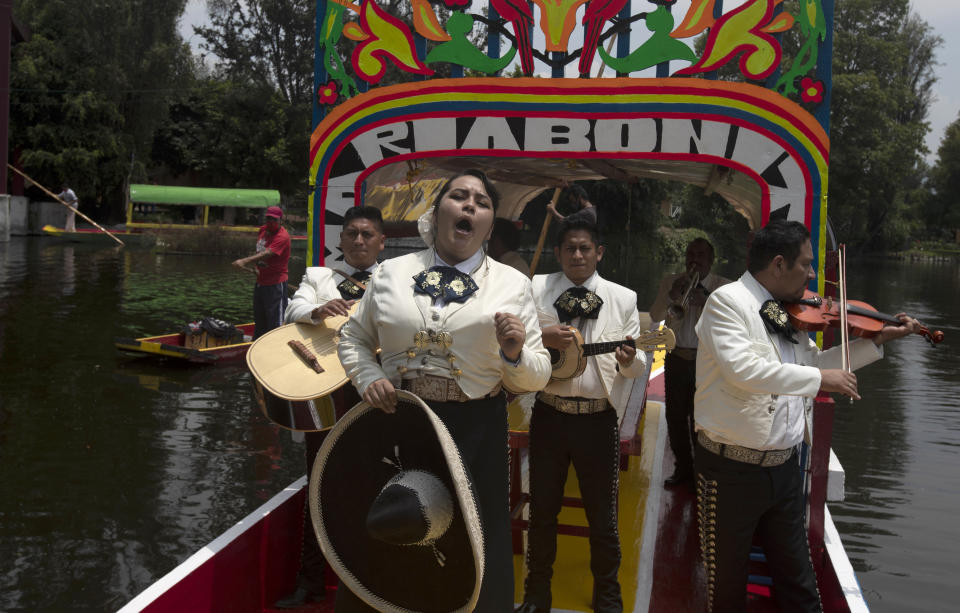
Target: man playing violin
column 680, row 305
column 325, row 292
column 756, row 380
column 577, row 420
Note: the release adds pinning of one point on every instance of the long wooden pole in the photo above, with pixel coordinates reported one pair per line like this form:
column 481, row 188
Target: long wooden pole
column 57, row 198
column 543, row 233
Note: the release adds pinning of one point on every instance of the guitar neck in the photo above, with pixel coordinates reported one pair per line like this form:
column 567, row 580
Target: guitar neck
column 606, row 347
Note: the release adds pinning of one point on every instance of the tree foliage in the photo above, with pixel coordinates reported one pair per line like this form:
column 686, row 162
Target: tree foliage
column 224, row 134
column 883, row 64
column 247, row 122
column 263, row 43
column 90, row 87
column 942, row 213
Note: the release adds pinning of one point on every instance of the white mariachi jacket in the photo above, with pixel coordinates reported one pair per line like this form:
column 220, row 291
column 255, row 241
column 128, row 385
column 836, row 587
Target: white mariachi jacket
column 617, row 318
column 390, row 315
column 739, row 372
column 318, row 287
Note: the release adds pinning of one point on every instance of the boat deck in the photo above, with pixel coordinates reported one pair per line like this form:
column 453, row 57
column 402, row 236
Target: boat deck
column 255, row 562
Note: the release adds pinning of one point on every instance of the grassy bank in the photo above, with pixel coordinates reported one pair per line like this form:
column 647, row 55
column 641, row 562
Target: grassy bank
column 928, row 251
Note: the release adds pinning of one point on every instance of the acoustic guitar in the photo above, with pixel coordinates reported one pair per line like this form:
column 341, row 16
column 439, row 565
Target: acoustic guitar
column 296, row 368
column 571, row 362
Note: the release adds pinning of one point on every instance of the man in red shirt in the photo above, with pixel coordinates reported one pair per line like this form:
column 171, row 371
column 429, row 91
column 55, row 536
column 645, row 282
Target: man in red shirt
column 271, row 258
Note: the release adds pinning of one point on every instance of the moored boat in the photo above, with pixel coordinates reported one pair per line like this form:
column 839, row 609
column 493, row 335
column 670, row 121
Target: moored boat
column 95, row 236
column 177, row 346
column 762, row 144
column 254, row 563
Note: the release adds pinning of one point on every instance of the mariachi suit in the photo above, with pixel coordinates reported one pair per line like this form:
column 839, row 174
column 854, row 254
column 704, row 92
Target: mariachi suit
column 318, row 287
column 680, row 372
column 390, row 316
column 590, row 441
column 740, row 377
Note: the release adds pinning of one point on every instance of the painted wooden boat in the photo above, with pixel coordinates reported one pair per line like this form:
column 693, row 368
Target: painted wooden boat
column 391, row 145
column 146, row 236
column 254, row 563
column 95, row 236
column 172, row 346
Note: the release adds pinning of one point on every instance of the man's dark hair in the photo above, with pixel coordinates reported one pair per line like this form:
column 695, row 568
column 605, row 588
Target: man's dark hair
column 577, row 193
column 700, row 239
column 365, row 212
column 507, row 232
column 473, row 172
column 577, row 223
column 778, row 237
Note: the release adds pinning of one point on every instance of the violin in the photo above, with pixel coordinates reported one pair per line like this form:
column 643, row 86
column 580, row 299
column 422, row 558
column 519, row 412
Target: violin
column 813, row 313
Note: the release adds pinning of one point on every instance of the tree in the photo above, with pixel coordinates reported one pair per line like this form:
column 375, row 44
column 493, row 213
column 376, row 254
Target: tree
column 882, row 87
column 227, row 134
column 90, row 87
column 263, row 42
column 942, row 214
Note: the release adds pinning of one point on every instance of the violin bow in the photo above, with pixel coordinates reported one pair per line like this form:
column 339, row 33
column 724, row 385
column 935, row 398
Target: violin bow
column 844, row 330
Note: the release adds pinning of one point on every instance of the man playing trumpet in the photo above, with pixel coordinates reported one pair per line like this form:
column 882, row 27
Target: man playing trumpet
column 679, row 301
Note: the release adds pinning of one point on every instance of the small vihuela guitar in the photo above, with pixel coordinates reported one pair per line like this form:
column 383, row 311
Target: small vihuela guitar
column 570, row 362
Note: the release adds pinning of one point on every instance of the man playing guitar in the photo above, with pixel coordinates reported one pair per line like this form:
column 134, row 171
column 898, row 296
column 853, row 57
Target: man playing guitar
column 577, row 419
column 325, row 292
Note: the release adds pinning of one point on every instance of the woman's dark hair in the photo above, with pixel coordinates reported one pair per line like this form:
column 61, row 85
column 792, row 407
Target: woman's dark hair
column 778, row 237
column 473, row 172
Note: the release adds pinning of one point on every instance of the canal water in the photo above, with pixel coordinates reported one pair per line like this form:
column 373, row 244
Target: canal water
column 113, row 471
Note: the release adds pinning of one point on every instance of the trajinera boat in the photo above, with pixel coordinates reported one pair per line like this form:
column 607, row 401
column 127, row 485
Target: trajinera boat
column 155, row 208
column 761, row 142
column 209, row 341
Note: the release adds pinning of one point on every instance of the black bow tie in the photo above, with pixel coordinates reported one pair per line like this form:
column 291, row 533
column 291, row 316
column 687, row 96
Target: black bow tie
column 776, row 320
column 577, row 302
column 446, row 282
column 350, row 290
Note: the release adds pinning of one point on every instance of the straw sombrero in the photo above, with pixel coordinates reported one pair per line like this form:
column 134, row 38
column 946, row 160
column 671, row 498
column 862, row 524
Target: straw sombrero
column 394, row 510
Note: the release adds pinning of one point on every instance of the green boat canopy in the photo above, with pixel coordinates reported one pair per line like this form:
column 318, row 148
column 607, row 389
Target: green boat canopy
column 207, row 196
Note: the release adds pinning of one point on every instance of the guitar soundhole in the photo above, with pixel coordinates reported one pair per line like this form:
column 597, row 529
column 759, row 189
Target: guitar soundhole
column 556, row 357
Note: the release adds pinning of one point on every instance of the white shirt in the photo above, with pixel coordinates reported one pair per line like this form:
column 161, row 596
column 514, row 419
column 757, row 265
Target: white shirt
column 69, row 197
column 789, row 418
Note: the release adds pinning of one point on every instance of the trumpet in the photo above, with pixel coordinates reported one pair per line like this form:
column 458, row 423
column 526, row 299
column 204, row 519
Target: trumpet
column 678, row 309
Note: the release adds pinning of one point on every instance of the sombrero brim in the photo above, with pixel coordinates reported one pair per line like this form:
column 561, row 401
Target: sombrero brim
column 349, row 472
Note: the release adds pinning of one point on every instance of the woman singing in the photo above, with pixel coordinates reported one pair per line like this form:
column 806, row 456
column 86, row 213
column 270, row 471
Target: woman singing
column 454, row 325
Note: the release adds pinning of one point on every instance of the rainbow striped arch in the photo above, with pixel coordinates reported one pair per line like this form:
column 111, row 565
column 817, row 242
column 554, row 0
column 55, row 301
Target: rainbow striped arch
column 736, row 125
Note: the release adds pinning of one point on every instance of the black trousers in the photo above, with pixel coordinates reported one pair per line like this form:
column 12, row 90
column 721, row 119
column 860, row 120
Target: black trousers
column 479, row 428
column 269, row 303
column 592, row 443
column 680, row 379
column 312, row 563
column 736, row 500
column 311, row 575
